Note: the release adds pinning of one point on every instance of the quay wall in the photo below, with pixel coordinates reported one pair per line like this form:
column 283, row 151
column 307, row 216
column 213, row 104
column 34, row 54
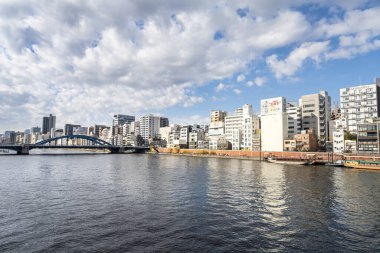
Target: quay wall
column 255, row 155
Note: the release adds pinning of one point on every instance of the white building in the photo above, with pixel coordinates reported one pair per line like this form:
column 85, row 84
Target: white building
column 359, row 104
column 149, row 127
column 274, row 124
column 240, row 127
column 294, row 112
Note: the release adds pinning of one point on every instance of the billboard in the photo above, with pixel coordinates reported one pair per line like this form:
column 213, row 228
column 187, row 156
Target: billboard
column 273, row 106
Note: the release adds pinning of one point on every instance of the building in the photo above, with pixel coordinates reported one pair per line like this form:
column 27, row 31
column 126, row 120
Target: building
column 216, row 128
column 368, row 137
column 306, row 141
column 98, row 129
column 149, row 127
column 359, row 104
column 240, row 128
column 196, row 136
column 48, row 123
column 35, row 130
column 184, row 136
column 338, row 141
column 217, row 116
column 69, row 129
column 121, row 119
column 316, row 110
column 274, row 124
column 164, row 122
column 294, row 113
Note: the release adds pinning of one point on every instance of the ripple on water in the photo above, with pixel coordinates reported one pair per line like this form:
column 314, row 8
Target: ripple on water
column 146, row 203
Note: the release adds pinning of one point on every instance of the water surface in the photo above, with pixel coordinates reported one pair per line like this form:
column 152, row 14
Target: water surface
column 163, row 203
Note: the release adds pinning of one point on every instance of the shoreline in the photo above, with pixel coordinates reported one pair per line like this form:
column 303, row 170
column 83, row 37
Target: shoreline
column 210, row 156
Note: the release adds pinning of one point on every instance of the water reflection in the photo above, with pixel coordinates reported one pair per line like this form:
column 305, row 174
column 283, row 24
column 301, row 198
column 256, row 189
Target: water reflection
column 150, row 203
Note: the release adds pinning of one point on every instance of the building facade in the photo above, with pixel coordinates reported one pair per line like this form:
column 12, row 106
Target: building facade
column 316, row 110
column 294, row 113
column 48, row 123
column 274, row 124
column 359, row 104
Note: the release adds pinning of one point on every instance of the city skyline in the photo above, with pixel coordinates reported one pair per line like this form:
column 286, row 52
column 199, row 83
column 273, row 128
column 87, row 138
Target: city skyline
column 178, row 60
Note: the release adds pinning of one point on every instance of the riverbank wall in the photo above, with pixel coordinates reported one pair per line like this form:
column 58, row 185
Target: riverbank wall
column 257, row 155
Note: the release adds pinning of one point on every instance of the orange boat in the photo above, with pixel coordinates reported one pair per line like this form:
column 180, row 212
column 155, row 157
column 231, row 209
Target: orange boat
column 358, row 164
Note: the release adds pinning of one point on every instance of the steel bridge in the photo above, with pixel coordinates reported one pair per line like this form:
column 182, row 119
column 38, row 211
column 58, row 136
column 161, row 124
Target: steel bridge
column 74, row 142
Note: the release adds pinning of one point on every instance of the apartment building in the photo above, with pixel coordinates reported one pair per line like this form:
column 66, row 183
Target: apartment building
column 359, row 104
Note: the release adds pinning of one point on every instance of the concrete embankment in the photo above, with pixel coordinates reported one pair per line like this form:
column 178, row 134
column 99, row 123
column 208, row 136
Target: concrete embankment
column 257, row 155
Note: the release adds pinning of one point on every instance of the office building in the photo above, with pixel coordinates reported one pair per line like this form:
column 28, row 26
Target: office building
column 69, row 129
column 48, row 123
column 316, row 110
column 359, row 104
column 120, row 119
column 294, row 112
column 274, row 124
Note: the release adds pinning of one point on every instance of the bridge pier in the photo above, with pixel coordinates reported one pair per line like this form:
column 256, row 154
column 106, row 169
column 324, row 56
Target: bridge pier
column 24, row 150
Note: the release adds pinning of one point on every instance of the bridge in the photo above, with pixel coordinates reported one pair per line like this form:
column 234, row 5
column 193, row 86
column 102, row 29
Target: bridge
column 74, row 142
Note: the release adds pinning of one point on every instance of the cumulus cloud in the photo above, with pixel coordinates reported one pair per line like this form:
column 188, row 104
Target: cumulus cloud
column 237, row 91
column 220, row 87
column 240, row 78
column 295, row 60
column 85, row 60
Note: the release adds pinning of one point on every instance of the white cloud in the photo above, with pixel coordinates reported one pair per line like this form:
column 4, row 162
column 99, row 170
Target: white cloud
column 220, row 87
column 296, row 58
column 85, row 60
column 240, row 78
column 250, row 83
column 237, row 91
column 260, row 81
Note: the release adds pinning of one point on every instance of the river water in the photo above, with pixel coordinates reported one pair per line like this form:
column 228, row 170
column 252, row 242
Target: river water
column 163, row 203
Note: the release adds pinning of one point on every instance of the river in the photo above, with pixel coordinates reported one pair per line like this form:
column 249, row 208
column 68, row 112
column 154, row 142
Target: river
column 164, row 203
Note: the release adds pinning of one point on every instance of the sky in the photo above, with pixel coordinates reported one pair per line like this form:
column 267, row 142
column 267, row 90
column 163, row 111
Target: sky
column 85, row 61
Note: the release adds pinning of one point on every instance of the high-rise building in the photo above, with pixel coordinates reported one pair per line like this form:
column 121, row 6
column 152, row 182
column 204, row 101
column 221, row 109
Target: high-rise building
column 274, row 124
column 294, row 112
column 316, row 110
column 149, row 127
column 48, row 123
column 120, row 119
column 359, row 104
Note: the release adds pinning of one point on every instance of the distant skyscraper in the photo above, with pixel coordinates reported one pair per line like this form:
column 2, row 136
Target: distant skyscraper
column 48, row 123
column 120, row 119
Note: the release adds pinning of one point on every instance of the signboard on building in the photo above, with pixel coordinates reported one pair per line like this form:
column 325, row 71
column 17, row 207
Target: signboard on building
column 273, row 106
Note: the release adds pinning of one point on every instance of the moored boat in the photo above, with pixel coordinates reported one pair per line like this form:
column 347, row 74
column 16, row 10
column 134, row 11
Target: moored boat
column 358, row 164
column 288, row 161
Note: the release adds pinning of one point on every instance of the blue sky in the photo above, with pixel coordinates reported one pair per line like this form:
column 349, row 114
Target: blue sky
column 85, row 61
